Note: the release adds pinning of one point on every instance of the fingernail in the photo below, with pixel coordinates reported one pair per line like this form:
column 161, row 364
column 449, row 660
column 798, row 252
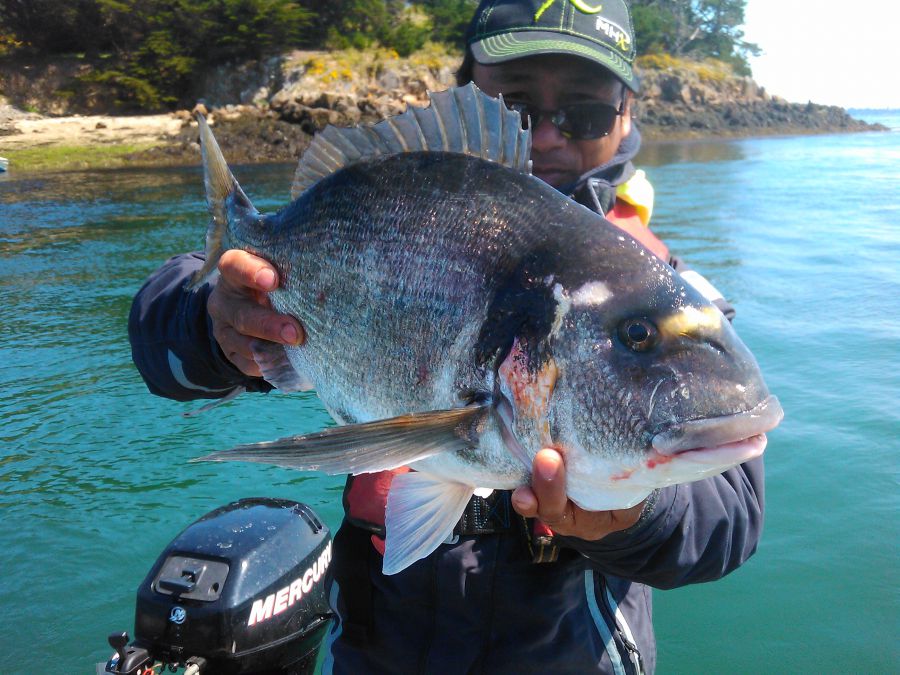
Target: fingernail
column 289, row 334
column 548, row 469
column 265, row 279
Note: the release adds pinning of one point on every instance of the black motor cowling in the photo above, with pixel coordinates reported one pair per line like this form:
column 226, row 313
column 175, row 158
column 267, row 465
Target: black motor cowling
column 241, row 590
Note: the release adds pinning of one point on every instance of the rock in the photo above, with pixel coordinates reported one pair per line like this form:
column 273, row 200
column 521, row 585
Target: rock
column 673, row 90
column 389, row 79
column 279, row 101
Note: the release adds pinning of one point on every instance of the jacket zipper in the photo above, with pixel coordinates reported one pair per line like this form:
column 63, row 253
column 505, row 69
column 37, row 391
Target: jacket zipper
column 623, row 629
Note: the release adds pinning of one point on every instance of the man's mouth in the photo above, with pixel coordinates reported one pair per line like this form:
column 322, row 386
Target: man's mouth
column 553, row 175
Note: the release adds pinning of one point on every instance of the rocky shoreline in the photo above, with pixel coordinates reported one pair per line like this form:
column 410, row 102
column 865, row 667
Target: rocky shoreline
column 267, row 111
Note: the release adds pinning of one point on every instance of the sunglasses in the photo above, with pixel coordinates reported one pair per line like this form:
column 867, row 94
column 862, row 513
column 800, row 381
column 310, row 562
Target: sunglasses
column 578, row 121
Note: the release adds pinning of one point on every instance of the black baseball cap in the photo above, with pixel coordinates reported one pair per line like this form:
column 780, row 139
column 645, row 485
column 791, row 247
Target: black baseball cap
column 597, row 30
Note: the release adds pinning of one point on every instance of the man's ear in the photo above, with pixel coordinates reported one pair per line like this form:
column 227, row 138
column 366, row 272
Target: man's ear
column 626, row 114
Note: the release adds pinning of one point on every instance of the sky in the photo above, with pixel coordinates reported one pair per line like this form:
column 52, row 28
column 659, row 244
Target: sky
column 835, row 53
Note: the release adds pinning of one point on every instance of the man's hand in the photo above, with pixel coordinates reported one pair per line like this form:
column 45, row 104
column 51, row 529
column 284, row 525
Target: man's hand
column 546, row 499
column 240, row 309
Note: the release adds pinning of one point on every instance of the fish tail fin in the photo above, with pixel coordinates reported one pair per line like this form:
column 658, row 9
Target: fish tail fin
column 459, row 120
column 226, row 201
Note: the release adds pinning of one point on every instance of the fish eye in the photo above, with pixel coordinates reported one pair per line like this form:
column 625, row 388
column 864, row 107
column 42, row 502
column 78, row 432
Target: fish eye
column 638, row 335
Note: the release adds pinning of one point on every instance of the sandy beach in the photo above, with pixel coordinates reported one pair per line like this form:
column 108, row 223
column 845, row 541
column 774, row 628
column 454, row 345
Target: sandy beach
column 31, row 132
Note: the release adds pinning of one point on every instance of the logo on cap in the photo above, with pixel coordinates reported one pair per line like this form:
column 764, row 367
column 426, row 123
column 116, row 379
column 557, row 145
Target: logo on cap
column 614, row 33
column 177, row 615
column 580, row 5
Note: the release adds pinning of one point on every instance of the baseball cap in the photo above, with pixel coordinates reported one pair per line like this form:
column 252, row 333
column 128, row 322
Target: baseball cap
column 597, row 30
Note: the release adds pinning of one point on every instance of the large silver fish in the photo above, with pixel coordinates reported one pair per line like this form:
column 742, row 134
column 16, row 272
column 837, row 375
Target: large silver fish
column 461, row 315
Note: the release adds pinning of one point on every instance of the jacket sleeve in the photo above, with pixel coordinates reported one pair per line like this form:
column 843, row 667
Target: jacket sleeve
column 688, row 533
column 171, row 337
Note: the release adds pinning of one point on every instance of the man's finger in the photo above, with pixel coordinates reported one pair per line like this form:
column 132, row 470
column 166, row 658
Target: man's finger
column 247, row 366
column 548, row 483
column 232, row 310
column 524, row 502
column 260, row 322
column 236, row 348
column 239, row 268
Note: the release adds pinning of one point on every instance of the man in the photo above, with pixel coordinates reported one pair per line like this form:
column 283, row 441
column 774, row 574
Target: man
column 555, row 589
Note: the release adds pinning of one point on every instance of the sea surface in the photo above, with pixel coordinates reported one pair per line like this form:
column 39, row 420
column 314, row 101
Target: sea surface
column 801, row 234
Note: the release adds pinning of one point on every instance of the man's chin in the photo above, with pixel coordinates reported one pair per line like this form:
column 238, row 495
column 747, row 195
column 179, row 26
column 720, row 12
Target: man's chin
column 556, row 179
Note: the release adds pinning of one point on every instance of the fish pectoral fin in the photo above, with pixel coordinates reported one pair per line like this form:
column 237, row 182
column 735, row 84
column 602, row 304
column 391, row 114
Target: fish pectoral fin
column 421, row 513
column 276, row 367
column 368, row 447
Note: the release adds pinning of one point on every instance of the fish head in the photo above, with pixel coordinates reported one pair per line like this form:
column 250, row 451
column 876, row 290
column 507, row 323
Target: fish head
column 639, row 381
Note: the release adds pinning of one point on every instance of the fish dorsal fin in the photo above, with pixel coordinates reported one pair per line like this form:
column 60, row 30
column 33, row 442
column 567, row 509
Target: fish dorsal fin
column 461, row 120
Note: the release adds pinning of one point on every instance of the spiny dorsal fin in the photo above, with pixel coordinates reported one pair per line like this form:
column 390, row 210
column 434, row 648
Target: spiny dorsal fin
column 461, row 119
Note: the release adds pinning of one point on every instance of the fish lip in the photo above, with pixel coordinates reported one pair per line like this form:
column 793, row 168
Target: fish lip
column 716, row 432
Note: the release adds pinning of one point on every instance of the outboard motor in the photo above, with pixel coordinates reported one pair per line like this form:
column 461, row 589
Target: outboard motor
column 242, row 590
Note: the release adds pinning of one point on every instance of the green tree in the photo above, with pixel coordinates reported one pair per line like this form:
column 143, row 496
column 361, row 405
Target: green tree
column 366, row 23
column 449, row 19
column 720, row 35
column 155, row 47
column 53, row 26
column 698, row 28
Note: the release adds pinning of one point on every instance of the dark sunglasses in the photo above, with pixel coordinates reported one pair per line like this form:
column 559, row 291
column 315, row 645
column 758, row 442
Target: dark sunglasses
column 578, row 121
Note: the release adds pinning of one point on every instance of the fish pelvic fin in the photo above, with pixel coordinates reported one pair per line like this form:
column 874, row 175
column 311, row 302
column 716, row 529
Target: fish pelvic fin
column 368, row 447
column 226, row 201
column 276, row 367
column 422, row 511
column 459, row 120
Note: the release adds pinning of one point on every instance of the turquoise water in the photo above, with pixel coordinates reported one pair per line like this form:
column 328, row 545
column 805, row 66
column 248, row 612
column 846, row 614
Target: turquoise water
column 801, row 234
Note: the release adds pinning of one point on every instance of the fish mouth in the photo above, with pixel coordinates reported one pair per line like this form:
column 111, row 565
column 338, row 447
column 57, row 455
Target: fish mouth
column 711, row 440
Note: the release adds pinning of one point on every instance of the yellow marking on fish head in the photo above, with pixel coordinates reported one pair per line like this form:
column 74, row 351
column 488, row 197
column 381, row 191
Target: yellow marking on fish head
column 692, row 322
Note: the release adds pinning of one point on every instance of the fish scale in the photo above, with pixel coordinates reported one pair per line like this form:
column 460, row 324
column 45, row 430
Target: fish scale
column 391, row 256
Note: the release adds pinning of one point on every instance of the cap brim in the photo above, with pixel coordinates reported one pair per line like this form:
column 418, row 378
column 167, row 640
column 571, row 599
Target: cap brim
column 503, row 47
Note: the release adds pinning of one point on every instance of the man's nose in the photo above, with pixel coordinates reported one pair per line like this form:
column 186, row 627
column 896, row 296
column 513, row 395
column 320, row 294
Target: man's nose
column 546, row 136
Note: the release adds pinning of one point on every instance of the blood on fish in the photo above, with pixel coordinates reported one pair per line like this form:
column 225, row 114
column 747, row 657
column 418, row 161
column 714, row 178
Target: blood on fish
column 530, row 389
column 656, row 459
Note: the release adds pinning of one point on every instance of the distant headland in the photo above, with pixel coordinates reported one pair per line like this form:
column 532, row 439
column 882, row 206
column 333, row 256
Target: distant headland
column 268, row 110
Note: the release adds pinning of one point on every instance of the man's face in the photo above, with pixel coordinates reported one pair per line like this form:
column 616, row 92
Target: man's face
column 547, row 83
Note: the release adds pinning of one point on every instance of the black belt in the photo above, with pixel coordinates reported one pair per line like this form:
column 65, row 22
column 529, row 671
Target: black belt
column 486, row 515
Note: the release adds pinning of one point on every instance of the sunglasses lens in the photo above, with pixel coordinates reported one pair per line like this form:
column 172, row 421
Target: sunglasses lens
column 581, row 121
column 589, row 120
